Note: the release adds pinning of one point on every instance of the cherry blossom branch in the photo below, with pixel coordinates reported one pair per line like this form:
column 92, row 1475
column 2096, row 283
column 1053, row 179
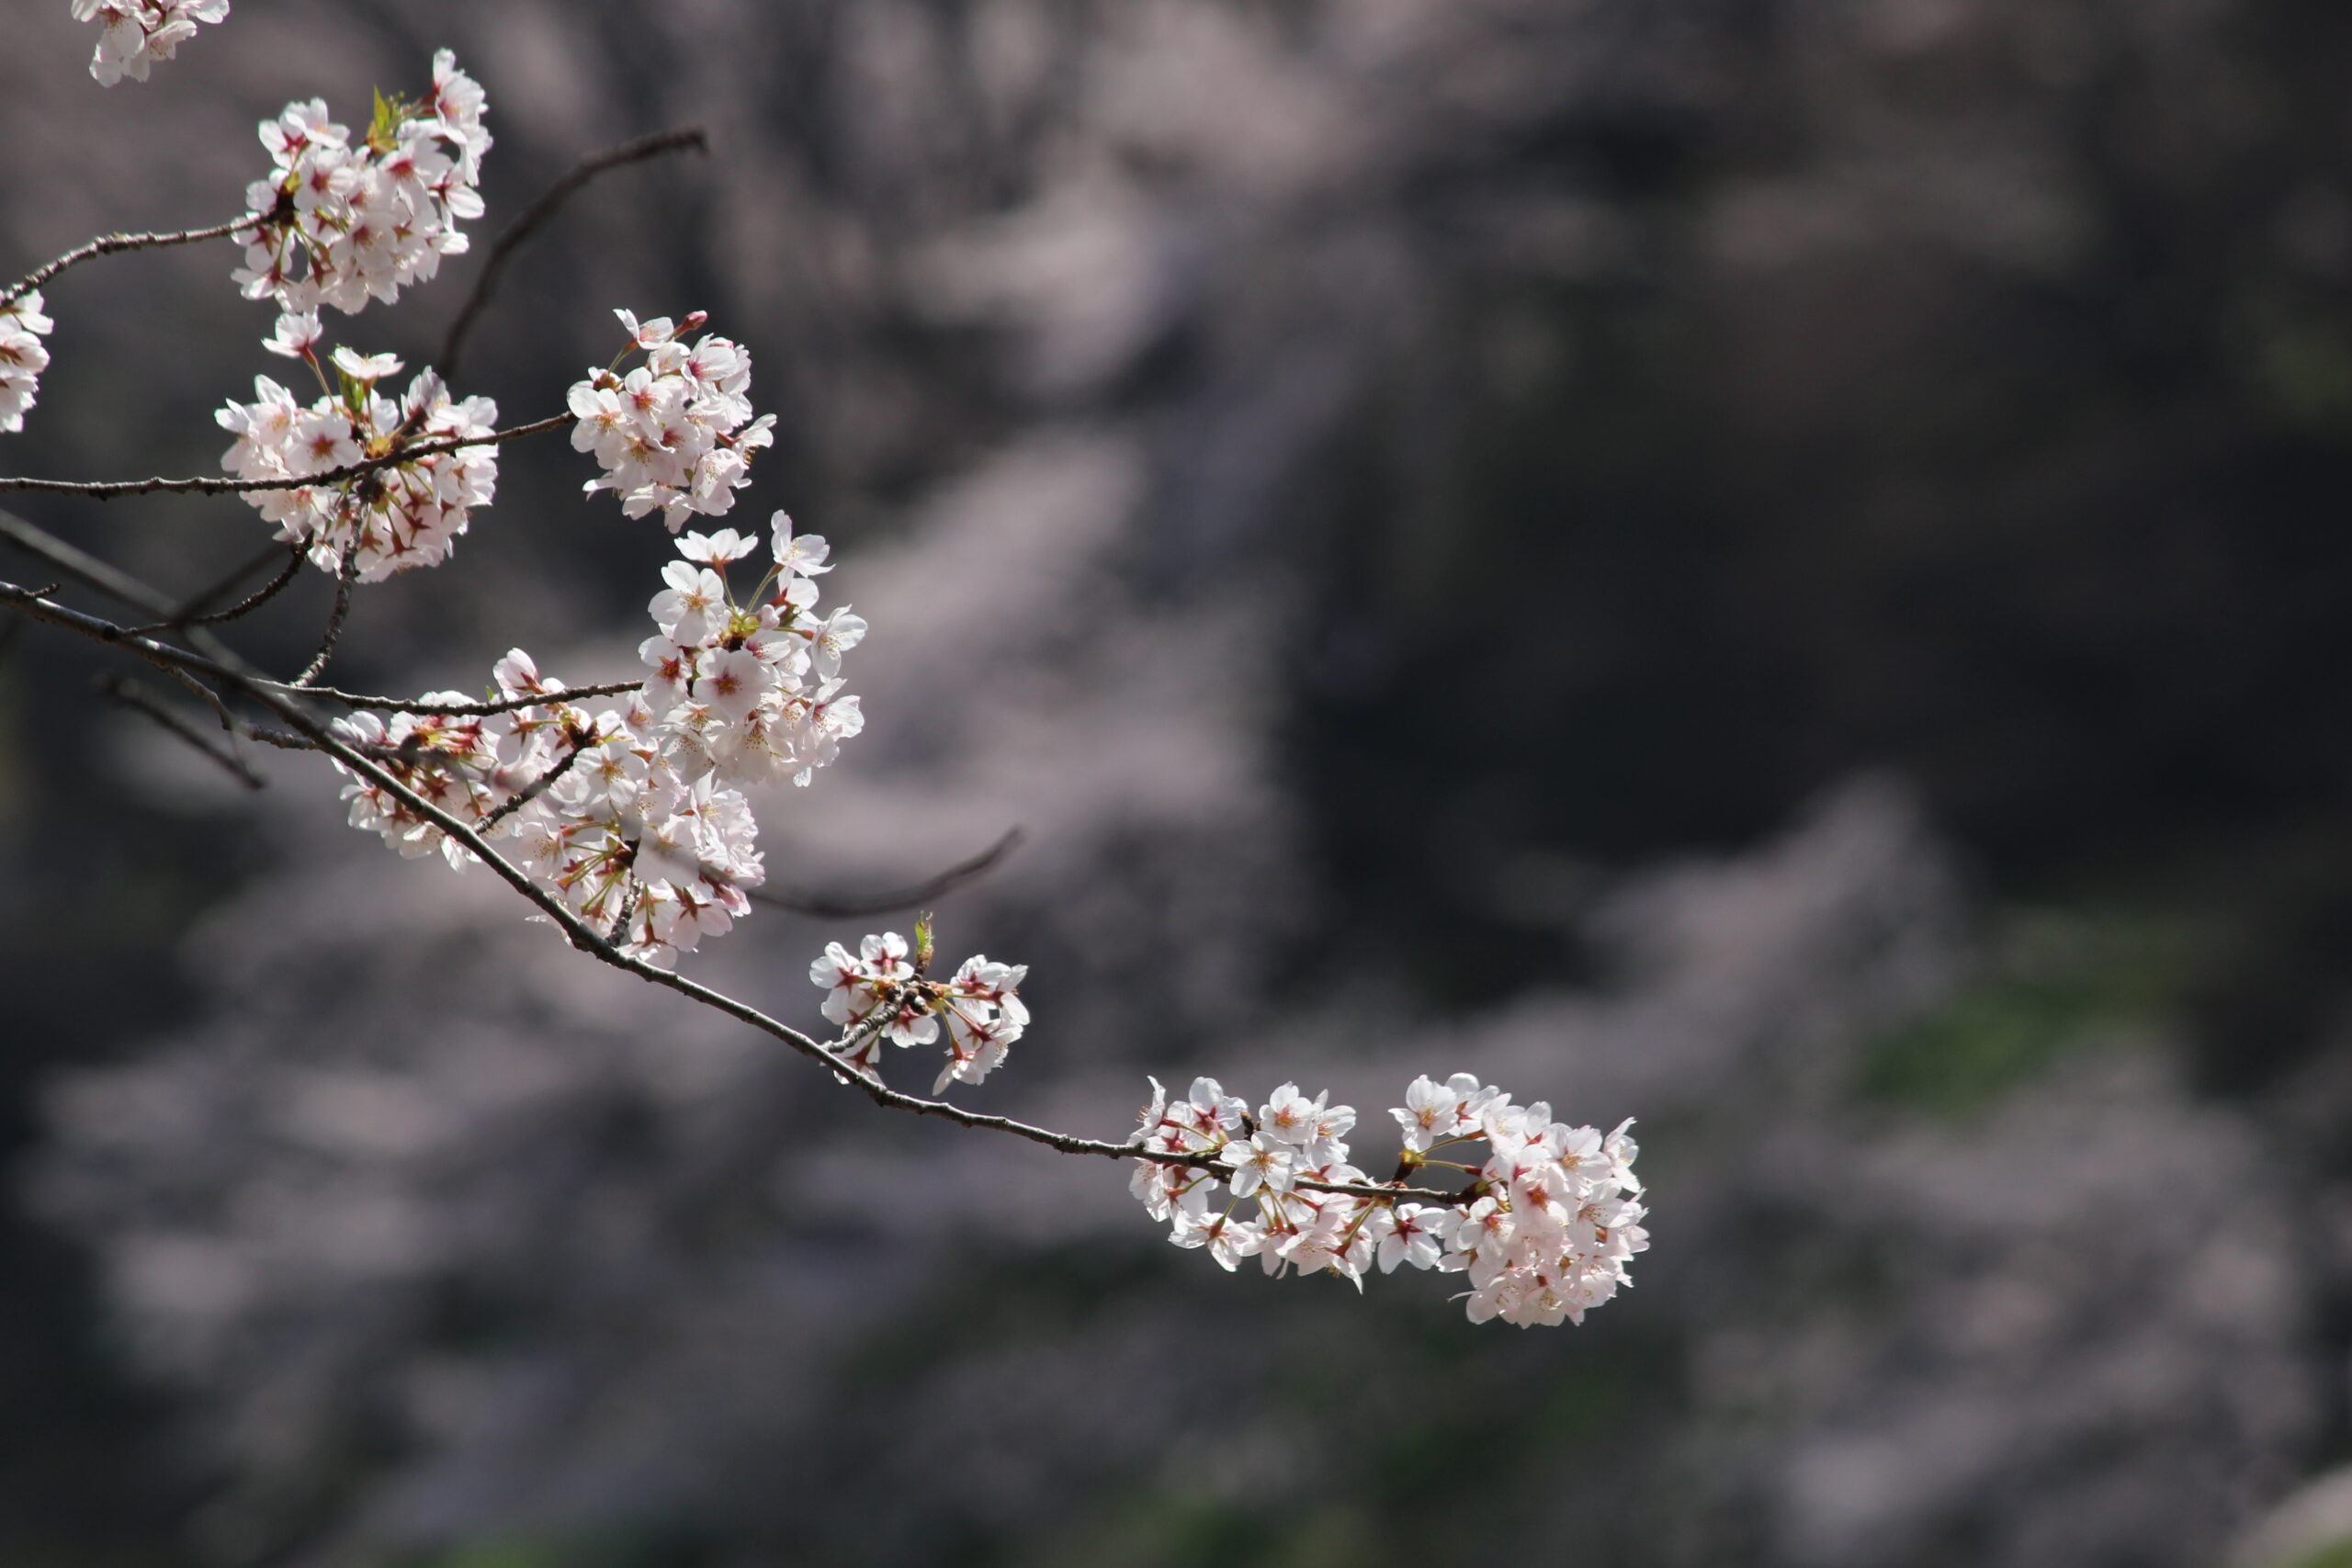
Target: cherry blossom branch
column 217, row 659
column 210, row 698
column 108, row 490
column 111, row 244
column 535, row 216
column 344, row 578
column 460, row 710
column 188, row 615
column 841, row 907
column 582, row 936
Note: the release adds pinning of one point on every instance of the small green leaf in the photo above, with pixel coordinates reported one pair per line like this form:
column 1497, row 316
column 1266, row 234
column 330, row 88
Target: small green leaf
column 386, row 122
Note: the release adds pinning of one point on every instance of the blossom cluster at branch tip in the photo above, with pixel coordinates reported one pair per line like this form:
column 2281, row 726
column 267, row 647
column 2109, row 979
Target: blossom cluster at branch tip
column 752, row 690
column 346, row 221
column 401, row 515
column 1544, row 1231
column 676, row 432
column 22, row 358
column 883, row 993
column 134, row 34
column 626, row 814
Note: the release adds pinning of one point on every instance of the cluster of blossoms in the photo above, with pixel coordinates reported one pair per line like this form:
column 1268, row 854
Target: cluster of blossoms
column 22, row 358
column 677, row 430
column 342, row 224
column 1544, row 1231
column 633, row 815
column 136, row 33
column 626, row 813
column 390, row 518
column 883, row 992
column 752, row 691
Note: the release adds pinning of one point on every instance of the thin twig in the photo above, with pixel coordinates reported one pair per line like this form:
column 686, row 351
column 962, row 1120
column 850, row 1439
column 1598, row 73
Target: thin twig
column 253, row 601
column 588, row 939
column 109, row 244
column 537, row 786
column 343, row 580
column 535, row 216
column 132, row 695
column 458, row 710
column 108, row 490
column 842, row 906
column 190, row 610
column 195, row 605
column 210, row 698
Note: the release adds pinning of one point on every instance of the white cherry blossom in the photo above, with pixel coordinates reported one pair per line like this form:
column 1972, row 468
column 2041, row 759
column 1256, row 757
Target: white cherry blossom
column 134, row 34
column 344, row 219
column 675, row 433
column 1543, row 1230
column 22, row 358
column 404, row 515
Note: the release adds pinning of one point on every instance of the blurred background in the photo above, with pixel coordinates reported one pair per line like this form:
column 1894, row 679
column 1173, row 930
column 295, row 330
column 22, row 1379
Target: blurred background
column 1775, row 567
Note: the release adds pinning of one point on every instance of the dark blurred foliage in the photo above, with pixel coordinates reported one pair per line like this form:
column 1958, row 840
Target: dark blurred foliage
column 1485, row 471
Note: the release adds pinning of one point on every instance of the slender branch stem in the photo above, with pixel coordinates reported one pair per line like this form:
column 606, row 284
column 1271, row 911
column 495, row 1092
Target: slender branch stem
column 108, row 490
column 536, row 787
column 210, row 697
column 343, row 580
column 838, row 907
column 190, row 612
column 535, row 216
column 459, row 710
column 277, row 738
column 110, row 244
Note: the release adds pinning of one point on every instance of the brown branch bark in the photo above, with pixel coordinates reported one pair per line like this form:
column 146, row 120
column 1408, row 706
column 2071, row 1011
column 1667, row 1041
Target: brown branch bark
column 462, row 710
column 108, row 490
column 192, row 613
column 535, row 216
column 843, row 907
column 112, row 244
column 343, row 580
